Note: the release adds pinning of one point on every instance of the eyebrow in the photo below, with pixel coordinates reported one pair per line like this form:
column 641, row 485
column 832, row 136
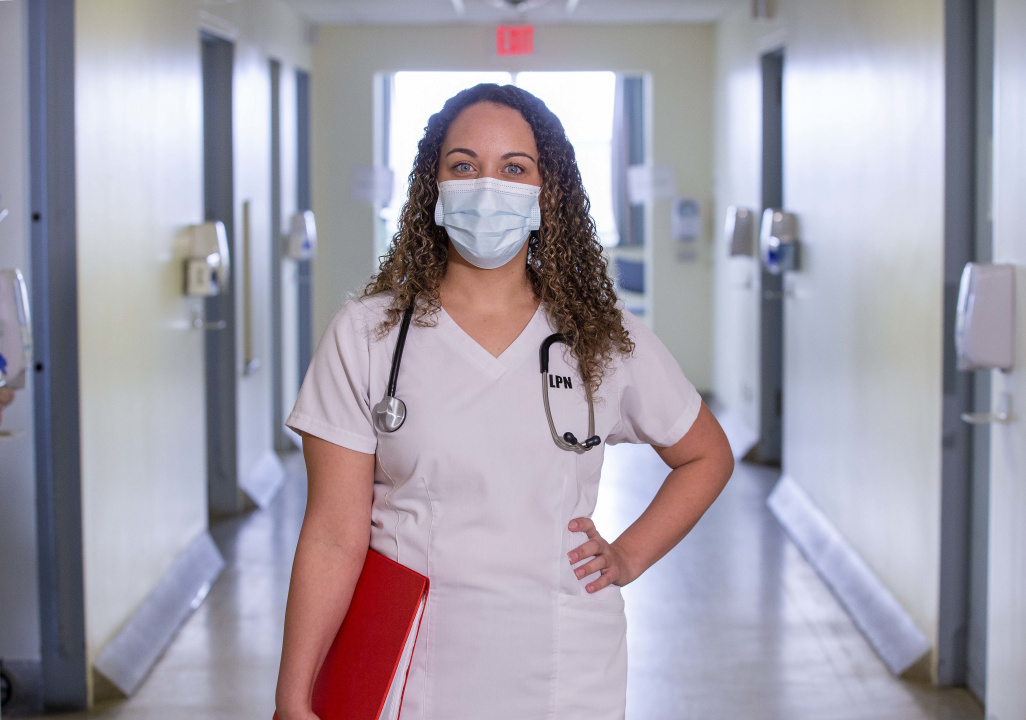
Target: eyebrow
column 507, row 156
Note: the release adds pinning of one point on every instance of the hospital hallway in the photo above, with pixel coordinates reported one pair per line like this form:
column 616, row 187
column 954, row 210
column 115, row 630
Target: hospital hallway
column 733, row 623
column 809, row 213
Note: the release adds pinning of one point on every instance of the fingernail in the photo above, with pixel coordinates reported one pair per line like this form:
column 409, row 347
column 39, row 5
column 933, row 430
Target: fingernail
column 591, row 588
column 578, row 572
column 573, row 557
column 573, row 524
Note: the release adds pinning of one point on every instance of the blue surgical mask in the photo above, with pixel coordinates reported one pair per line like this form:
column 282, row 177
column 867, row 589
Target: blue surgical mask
column 488, row 220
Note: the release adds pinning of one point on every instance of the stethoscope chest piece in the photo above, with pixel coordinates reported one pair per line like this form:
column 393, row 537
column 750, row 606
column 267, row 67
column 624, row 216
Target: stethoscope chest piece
column 389, row 414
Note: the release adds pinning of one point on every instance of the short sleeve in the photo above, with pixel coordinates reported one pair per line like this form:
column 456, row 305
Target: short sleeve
column 334, row 400
column 657, row 404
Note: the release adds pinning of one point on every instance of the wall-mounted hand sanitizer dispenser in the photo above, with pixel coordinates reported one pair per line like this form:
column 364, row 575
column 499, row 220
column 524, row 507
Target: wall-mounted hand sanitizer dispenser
column 779, row 241
column 740, row 231
column 209, row 262
column 984, row 320
column 15, row 330
column 302, row 240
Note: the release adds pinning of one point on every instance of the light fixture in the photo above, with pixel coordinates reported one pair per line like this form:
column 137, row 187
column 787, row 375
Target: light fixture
column 518, row 5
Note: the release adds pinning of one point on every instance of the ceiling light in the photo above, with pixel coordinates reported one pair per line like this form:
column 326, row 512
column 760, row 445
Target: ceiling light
column 520, row 5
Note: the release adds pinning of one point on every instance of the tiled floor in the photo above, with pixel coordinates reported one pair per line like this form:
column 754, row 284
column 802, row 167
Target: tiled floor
column 731, row 625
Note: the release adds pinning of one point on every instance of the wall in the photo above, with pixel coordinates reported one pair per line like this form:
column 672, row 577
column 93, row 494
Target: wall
column 140, row 184
column 19, row 621
column 863, row 169
column 1006, row 632
column 679, row 59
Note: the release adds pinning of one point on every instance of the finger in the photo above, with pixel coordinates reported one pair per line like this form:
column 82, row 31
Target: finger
column 592, row 547
column 592, row 566
column 603, row 580
column 583, row 524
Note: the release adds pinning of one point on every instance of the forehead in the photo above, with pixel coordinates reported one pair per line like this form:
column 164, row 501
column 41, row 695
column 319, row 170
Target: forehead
column 484, row 124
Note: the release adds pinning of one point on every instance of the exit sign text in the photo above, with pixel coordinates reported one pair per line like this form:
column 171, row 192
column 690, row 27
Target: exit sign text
column 514, row 40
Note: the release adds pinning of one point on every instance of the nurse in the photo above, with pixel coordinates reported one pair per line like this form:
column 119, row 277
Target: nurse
column 495, row 252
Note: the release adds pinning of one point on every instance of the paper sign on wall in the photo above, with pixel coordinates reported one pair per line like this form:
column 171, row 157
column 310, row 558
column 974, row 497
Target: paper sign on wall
column 372, row 184
column 650, row 182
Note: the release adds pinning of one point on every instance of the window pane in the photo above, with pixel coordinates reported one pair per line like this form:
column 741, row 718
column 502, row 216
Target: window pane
column 583, row 101
column 416, row 97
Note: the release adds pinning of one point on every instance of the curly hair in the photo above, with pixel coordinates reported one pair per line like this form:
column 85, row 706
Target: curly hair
column 565, row 264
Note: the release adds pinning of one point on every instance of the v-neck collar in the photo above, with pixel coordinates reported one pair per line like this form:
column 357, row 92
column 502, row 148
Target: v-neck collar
column 493, row 366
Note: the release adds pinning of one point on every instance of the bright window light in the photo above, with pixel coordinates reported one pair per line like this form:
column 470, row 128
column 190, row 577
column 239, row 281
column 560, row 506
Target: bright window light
column 416, row 96
column 583, row 102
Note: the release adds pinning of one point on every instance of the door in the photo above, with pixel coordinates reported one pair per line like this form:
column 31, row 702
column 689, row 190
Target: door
column 771, row 316
column 965, row 472
column 304, row 270
column 55, row 385
column 220, row 344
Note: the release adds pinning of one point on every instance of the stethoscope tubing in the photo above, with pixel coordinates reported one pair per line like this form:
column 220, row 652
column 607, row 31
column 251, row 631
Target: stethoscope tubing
column 567, row 441
column 390, row 413
column 397, row 354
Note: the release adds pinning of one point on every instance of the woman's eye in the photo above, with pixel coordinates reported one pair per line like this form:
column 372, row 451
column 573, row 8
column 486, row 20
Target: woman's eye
column 462, row 167
column 514, row 169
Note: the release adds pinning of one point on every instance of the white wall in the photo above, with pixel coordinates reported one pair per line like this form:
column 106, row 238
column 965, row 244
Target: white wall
column 1006, row 631
column 863, row 169
column 140, row 184
column 19, row 621
column 679, row 59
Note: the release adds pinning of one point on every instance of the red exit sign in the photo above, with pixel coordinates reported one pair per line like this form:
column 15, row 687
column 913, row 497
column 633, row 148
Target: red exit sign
column 514, row 40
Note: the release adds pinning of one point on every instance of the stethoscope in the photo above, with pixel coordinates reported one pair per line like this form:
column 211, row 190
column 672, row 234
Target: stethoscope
column 390, row 412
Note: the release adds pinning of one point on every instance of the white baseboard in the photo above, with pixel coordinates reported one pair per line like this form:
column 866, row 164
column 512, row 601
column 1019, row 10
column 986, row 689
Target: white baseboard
column 264, row 479
column 886, row 625
column 128, row 658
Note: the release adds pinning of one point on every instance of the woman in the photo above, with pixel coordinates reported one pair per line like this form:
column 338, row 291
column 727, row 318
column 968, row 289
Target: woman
column 524, row 618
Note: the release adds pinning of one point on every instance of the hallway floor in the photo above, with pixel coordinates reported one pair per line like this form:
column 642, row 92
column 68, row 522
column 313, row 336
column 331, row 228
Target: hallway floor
column 732, row 624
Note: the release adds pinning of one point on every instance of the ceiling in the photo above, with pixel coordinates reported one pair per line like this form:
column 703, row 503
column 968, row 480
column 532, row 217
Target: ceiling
column 405, row 12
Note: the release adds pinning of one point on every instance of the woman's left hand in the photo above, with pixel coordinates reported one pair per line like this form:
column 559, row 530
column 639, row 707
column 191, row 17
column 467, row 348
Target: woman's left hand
column 609, row 558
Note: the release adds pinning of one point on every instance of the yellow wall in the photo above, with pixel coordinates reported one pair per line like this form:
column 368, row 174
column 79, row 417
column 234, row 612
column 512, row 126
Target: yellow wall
column 679, row 59
column 1006, row 631
column 140, row 184
column 863, row 169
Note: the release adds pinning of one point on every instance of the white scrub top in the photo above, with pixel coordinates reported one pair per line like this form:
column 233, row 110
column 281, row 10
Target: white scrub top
column 473, row 492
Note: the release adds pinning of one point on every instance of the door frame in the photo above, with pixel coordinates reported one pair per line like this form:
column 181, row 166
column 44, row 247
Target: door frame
column 220, row 342
column 304, row 268
column 964, row 448
column 51, row 86
column 771, row 287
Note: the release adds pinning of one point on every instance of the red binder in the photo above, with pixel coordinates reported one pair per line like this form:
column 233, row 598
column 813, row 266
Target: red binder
column 368, row 661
